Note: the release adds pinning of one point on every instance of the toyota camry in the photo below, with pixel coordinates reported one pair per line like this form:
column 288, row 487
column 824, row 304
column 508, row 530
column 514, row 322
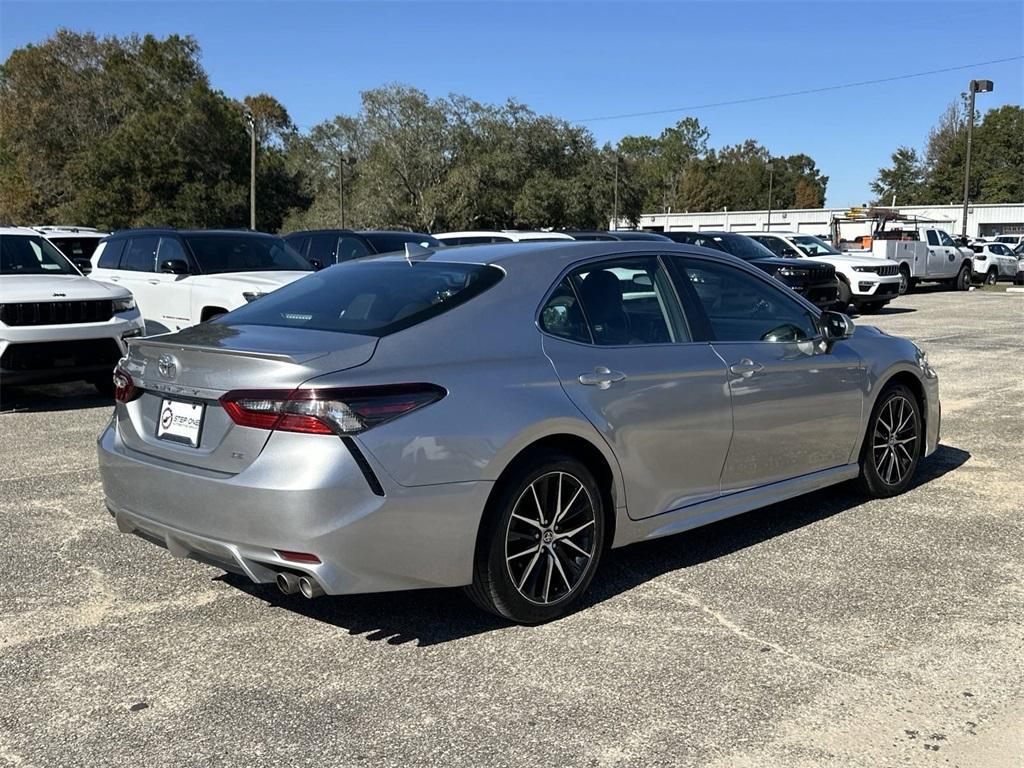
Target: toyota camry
column 496, row 417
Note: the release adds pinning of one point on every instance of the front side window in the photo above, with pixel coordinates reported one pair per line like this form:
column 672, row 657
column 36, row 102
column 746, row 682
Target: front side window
column 368, row 297
column 629, row 301
column 945, row 239
column 778, row 246
column 32, row 255
column 351, row 248
column 217, row 253
column 741, row 307
column 140, row 255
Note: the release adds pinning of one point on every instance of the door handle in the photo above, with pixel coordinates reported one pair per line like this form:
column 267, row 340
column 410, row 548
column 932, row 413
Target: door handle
column 745, row 368
column 153, row 282
column 602, row 377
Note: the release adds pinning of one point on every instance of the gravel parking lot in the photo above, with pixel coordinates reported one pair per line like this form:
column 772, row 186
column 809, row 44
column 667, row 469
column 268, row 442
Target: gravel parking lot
column 822, row 631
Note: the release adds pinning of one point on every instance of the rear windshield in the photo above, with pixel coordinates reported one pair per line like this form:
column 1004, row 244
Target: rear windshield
column 32, row 255
column 244, row 253
column 369, row 297
column 385, row 242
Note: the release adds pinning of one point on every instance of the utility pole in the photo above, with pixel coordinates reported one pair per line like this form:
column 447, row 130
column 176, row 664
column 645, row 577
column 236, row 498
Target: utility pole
column 976, row 86
column 616, row 208
column 771, row 185
column 341, row 185
column 252, row 169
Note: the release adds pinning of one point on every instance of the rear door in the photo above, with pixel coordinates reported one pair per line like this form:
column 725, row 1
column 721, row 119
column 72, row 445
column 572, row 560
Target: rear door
column 626, row 357
column 796, row 404
column 172, row 291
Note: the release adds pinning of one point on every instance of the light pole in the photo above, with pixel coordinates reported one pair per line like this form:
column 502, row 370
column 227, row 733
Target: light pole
column 976, row 86
column 771, row 185
column 252, row 168
column 615, row 215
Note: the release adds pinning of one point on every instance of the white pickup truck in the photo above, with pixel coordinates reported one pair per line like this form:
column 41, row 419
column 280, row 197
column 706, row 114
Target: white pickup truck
column 923, row 255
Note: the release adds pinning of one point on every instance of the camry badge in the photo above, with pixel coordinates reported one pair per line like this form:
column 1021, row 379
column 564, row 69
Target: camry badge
column 165, row 365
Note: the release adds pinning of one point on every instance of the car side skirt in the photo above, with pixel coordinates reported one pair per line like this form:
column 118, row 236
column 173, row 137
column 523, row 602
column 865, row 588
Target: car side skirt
column 713, row 510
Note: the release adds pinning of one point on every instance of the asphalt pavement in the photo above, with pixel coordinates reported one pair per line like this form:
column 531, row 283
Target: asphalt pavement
column 824, row 631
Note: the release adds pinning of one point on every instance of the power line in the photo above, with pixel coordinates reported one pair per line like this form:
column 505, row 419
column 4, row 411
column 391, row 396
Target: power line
column 805, row 92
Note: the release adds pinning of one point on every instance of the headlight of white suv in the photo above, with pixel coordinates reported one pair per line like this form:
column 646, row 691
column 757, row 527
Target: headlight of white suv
column 124, row 305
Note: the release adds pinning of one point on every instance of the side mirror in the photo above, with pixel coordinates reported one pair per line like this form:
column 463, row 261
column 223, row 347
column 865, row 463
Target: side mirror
column 84, row 265
column 174, row 266
column 835, row 326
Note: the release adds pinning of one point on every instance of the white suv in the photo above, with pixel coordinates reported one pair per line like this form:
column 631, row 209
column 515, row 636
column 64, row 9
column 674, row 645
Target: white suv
column 182, row 278
column 55, row 324
column 867, row 282
column 992, row 262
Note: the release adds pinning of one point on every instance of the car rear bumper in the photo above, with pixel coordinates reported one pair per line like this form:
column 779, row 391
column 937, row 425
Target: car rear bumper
column 410, row 537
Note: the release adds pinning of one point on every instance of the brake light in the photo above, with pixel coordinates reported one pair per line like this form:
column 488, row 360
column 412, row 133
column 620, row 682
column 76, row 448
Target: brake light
column 327, row 411
column 124, row 388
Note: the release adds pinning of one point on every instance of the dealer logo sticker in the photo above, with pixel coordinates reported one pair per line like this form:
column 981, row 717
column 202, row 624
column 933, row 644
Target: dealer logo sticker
column 166, row 418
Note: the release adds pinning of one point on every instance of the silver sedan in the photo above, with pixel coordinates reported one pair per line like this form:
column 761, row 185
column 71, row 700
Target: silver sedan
column 496, row 417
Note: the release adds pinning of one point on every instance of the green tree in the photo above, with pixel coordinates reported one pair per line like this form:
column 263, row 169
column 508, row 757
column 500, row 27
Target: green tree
column 902, row 181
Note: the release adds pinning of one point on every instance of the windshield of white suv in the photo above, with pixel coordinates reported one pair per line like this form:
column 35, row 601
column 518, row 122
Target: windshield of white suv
column 242, row 252
column 32, row 255
column 814, row 246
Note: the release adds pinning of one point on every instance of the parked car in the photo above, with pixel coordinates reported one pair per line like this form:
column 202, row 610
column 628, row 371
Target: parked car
column 615, row 234
column 478, row 237
column 56, row 324
column 814, row 280
column 495, row 417
column 184, row 277
column 994, row 262
column 324, row 247
column 866, row 282
column 1011, row 240
column 77, row 243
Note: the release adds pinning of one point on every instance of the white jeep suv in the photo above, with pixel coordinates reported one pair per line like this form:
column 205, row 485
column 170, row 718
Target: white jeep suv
column 185, row 277
column 55, row 324
column 866, row 282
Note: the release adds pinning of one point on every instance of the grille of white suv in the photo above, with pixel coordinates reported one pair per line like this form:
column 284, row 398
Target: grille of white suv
column 57, row 312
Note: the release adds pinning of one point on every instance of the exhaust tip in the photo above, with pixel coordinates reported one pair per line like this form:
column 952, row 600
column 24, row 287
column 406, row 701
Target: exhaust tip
column 309, row 588
column 288, row 583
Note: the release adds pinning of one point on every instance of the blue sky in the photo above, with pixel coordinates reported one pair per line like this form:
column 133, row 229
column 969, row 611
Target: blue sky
column 583, row 60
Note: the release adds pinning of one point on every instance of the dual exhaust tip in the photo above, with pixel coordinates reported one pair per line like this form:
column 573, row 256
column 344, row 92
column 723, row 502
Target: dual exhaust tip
column 290, row 583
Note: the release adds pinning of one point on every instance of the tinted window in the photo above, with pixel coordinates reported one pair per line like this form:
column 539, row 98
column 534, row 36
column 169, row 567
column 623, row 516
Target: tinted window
column 323, row 249
column 813, row 246
column 371, row 297
column 76, row 247
column 562, row 315
column 351, row 248
column 170, row 248
column 628, row 301
column 777, row 246
column 945, row 239
column 110, row 255
column 933, row 239
column 385, row 242
column 298, row 242
column 32, row 255
column 244, row 253
column 743, row 247
column 140, row 255
column 741, row 307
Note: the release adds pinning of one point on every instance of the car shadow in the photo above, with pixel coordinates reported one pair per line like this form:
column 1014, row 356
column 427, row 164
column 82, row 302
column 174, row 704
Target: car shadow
column 429, row 617
column 44, row 398
column 891, row 310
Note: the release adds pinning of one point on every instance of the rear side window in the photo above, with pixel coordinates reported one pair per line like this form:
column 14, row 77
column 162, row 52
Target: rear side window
column 218, row 253
column 76, row 247
column 562, row 315
column 140, row 255
column 110, row 255
column 351, row 248
column 370, row 297
column 386, row 242
column 933, row 239
column 323, row 249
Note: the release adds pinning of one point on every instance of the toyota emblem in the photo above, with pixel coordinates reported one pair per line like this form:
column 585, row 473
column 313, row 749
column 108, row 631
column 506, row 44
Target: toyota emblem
column 165, row 365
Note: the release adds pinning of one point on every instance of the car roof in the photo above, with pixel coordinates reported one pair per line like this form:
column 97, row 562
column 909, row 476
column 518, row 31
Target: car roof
column 20, row 231
column 523, row 234
column 347, row 231
column 172, row 231
column 617, row 234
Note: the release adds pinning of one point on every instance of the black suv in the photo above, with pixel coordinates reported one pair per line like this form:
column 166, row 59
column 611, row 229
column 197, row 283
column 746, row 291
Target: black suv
column 324, row 247
column 813, row 280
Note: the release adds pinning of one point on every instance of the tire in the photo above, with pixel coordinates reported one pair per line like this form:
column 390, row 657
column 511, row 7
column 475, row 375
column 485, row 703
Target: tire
column 887, row 466
column 963, row 278
column 992, row 276
column 844, row 296
column 904, row 280
column 105, row 386
column 531, row 565
column 1018, row 279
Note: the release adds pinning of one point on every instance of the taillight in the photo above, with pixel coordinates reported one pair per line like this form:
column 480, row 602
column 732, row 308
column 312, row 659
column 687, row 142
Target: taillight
column 124, row 388
column 327, row 411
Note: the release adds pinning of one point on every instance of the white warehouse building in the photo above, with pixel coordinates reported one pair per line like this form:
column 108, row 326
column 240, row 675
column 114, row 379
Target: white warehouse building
column 982, row 220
